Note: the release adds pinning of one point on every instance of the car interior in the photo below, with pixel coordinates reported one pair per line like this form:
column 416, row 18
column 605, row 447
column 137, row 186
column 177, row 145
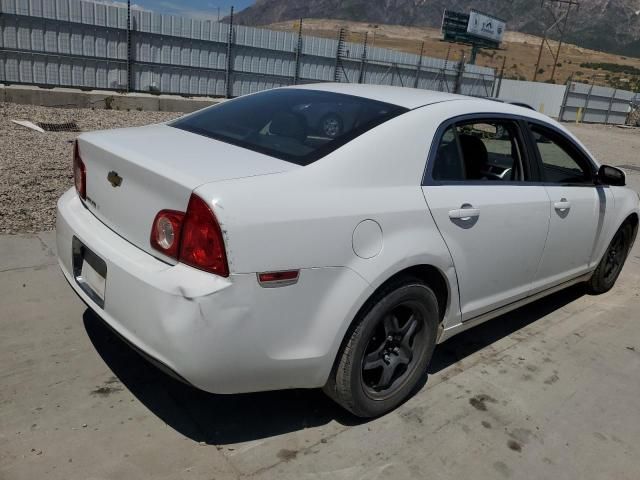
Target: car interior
column 285, row 123
column 560, row 163
column 483, row 151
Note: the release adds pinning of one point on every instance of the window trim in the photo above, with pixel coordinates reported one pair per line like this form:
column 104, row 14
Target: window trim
column 567, row 141
column 528, row 164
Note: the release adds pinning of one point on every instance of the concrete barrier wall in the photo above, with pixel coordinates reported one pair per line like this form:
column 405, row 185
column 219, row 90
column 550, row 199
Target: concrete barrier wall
column 101, row 99
column 544, row 97
column 595, row 104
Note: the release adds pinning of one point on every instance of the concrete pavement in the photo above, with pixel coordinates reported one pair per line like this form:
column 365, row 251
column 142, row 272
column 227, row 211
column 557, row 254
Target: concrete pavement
column 548, row 391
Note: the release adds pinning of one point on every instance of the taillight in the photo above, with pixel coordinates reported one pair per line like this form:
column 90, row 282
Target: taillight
column 193, row 238
column 79, row 173
column 165, row 234
column 202, row 245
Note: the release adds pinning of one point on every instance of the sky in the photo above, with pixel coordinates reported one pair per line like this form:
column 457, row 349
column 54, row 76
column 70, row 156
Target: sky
column 194, row 8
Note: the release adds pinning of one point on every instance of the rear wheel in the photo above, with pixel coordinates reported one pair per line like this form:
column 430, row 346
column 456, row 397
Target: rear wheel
column 610, row 266
column 387, row 352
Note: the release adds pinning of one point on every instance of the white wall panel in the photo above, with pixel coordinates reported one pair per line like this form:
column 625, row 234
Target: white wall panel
column 84, row 44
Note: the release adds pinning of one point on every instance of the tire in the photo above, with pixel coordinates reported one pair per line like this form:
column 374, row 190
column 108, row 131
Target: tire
column 610, row 266
column 360, row 381
column 331, row 125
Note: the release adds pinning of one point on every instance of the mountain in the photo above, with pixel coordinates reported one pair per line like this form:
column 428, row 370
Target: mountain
column 609, row 25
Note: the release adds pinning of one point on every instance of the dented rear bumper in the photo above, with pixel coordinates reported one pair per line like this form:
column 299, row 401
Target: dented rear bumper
column 223, row 335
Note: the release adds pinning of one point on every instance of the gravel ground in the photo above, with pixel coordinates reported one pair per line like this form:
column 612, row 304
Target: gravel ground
column 610, row 145
column 35, row 168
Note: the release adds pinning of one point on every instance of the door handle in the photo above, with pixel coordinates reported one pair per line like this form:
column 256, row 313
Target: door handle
column 465, row 213
column 562, row 205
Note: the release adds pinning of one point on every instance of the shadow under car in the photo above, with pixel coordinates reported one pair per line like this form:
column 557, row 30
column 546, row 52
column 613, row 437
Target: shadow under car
column 226, row 419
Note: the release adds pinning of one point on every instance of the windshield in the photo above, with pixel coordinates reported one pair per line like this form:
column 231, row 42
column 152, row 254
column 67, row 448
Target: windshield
column 299, row 126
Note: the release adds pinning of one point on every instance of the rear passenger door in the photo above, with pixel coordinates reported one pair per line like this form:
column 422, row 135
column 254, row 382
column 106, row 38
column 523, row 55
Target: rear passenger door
column 494, row 219
column 577, row 206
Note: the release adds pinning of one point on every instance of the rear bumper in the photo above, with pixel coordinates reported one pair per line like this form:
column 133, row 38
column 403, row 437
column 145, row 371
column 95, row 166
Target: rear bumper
column 154, row 361
column 223, row 335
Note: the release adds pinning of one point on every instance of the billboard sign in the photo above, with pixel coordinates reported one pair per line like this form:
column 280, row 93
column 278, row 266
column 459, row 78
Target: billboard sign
column 485, row 26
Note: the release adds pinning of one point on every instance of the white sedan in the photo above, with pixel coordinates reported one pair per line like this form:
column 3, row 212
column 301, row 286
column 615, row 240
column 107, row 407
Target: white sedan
column 242, row 249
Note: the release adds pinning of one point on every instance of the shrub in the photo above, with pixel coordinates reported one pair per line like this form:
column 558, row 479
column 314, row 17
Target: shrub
column 613, row 67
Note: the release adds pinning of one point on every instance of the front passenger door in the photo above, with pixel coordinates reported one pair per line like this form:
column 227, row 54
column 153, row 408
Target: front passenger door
column 492, row 216
column 577, row 207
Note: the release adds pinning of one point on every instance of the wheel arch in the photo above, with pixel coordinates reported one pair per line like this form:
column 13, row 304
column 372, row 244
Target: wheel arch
column 430, row 275
column 633, row 220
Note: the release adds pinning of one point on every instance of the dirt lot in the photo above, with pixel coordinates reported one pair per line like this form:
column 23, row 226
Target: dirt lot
column 611, row 145
column 548, row 391
column 36, row 168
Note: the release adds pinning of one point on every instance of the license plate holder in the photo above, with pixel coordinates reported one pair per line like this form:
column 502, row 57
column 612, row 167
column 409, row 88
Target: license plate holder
column 90, row 272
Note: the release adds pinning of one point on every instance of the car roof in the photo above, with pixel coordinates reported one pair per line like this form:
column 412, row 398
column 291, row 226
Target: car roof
column 517, row 103
column 401, row 96
column 411, row 98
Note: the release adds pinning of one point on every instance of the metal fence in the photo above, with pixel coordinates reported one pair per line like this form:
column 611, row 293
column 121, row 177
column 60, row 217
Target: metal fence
column 82, row 44
column 594, row 104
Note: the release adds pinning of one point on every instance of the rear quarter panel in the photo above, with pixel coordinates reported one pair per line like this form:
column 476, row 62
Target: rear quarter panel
column 305, row 219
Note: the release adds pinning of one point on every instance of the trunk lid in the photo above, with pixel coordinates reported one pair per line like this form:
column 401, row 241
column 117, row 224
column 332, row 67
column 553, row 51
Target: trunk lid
column 134, row 173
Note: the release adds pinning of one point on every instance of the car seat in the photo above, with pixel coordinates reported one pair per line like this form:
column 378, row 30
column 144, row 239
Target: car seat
column 475, row 156
column 290, row 125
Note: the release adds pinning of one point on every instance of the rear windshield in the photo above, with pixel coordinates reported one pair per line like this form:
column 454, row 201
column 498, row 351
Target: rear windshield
column 296, row 125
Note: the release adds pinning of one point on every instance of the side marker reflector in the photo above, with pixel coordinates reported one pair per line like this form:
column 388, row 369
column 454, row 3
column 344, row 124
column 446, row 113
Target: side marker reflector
column 278, row 279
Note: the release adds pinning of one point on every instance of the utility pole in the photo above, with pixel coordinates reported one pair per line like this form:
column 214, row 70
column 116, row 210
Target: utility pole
column 129, row 67
column 544, row 39
column 563, row 20
column 571, row 3
column 363, row 60
column 504, row 63
column 296, row 75
column 419, row 66
column 474, row 54
column 229, row 67
column 342, row 35
column 443, row 74
column 460, row 74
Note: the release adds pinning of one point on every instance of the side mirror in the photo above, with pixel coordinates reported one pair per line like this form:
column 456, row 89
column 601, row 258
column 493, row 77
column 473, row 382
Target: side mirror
column 611, row 176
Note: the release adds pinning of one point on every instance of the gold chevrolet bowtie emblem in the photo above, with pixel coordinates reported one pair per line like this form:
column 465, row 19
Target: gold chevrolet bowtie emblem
column 114, row 179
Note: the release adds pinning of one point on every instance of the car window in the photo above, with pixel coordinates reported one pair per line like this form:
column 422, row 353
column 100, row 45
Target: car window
column 449, row 164
column 560, row 162
column 488, row 151
column 296, row 125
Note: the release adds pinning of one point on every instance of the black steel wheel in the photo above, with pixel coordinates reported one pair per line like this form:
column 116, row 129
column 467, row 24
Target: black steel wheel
column 386, row 353
column 610, row 266
column 393, row 350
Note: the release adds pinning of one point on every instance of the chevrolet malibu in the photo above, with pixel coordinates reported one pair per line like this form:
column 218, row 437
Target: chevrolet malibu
column 241, row 249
